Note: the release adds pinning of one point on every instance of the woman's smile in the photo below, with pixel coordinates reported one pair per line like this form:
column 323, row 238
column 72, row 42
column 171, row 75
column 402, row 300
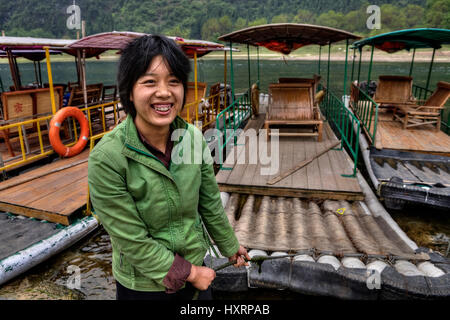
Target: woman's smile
column 157, row 96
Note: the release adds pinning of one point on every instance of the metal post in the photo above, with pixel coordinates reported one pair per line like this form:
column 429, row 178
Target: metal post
column 328, row 68
column 359, row 67
column 224, row 81
column 257, row 55
column 345, row 71
column 353, row 65
column 320, row 53
column 412, row 62
column 370, row 68
column 40, row 73
column 1, row 84
column 84, row 79
column 429, row 71
column 50, row 80
column 248, row 63
column 232, row 72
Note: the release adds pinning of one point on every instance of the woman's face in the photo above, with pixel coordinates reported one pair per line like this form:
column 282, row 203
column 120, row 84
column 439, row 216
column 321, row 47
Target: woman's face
column 157, row 96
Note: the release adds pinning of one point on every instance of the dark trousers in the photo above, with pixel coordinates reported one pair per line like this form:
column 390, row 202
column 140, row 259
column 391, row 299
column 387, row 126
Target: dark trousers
column 187, row 293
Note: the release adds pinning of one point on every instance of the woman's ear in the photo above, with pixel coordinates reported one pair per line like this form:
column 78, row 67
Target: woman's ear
column 131, row 96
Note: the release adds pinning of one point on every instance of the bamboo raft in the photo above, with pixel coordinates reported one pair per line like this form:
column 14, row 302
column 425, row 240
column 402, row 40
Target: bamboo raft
column 55, row 192
column 327, row 245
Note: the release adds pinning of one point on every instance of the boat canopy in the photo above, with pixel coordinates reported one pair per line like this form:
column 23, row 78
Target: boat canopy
column 287, row 37
column 30, row 43
column 407, row 39
column 33, row 55
column 101, row 42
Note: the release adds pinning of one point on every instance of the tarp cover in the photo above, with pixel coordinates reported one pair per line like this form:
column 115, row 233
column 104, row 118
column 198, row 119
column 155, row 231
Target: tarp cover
column 98, row 43
column 407, row 39
column 287, row 37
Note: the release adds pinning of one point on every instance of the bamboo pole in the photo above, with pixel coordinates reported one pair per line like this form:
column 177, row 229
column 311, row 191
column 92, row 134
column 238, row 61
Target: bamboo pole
column 301, row 165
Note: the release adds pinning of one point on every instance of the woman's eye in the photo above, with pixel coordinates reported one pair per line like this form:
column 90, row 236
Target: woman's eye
column 175, row 81
column 149, row 81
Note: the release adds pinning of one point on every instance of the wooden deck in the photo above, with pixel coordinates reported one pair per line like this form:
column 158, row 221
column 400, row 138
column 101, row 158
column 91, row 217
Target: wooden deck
column 320, row 179
column 54, row 192
column 424, row 139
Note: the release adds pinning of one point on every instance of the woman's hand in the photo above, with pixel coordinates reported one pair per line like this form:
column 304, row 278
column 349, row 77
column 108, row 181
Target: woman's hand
column 238, row 257
column 201, row 277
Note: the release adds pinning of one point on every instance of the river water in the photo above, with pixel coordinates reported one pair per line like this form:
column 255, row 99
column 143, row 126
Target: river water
column 92, row 255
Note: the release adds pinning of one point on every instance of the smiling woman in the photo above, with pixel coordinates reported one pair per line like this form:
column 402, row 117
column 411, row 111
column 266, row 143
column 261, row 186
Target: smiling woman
column 155, row 209
column 157, row 97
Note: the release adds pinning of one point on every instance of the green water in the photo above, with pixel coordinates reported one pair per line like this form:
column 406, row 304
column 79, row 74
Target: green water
column 93, row 254
column 211, row 71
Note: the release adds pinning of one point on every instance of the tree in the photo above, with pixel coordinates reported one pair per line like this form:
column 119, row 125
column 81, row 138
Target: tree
column 392, row 17
column 281, row 18
column 438, row 14
column 257, row 22
column 239, row 24
column 414, row 15
column 305, row 16
column 331, row 19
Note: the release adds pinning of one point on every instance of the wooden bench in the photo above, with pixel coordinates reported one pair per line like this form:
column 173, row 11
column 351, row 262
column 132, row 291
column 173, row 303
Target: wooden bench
column 428, row 113
column 293, row 104
column 393, row 91
column 25, row 105
column 93, row 94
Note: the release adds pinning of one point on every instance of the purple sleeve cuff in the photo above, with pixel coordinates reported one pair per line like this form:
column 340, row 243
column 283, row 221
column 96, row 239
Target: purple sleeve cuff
column 177, row 275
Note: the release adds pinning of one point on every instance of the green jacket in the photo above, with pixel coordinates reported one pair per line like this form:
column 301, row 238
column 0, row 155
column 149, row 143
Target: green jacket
column 152, row 213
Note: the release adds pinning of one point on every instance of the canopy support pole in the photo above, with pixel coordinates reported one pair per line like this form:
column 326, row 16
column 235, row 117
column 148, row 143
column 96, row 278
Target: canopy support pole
column 320, row 54
column 40, row 73
column 431, row 68
column 84, row 79
column 36, row 74
column 346, row 65
column 353, row 65
column 13, row 69
column 225, row 67
column 1, row 85
column 370, row 68
column 412, row 62
column 232, row 72
column 50, row 80
column 248, row 64
column 359, row 67
column 328, row 68
column 257, row 56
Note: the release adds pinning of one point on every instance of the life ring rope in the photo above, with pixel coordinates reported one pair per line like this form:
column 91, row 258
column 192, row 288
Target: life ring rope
column 55, row 126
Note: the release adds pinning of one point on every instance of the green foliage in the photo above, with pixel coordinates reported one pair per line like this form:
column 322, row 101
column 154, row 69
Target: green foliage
column 208, row 19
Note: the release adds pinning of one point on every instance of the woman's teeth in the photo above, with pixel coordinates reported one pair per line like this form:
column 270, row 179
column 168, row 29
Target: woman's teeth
column 162, row 108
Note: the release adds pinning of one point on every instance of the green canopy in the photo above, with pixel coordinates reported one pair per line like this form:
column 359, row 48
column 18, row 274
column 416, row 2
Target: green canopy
column 407, row 39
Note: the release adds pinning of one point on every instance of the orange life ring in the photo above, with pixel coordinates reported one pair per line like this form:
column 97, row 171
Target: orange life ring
column 55, row 125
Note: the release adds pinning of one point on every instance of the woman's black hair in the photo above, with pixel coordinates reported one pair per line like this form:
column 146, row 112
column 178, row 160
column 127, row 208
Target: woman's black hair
column 137, row 57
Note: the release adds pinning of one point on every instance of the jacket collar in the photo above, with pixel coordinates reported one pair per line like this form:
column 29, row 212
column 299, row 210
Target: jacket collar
column 132, row 135
column 134, row 148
